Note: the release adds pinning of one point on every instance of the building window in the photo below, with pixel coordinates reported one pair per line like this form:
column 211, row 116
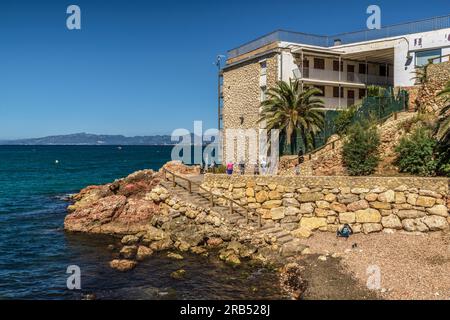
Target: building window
column 263, row 65
column 336, row 65
column 319, row 63
column 362, row 93
column 423, row 57
column 383, row 70
column 362, row 68
column 336, row 92
column 263, row 94
column 321, row 88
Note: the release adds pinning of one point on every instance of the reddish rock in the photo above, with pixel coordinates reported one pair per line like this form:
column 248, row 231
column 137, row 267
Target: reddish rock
column 115, row 208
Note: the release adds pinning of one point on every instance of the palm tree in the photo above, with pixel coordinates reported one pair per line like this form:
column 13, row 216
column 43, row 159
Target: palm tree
column 443, row 128
column 293, row 110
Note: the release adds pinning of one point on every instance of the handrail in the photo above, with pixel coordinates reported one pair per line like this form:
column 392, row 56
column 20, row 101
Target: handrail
column 211, row 194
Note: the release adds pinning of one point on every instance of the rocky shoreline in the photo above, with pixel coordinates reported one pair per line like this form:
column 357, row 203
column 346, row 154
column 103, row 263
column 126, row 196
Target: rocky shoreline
column 148, row 219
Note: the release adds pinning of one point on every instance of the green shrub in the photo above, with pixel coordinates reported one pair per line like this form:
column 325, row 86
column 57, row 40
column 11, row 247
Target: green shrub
column 360, row 151
column 443, row 156
column 218, row 170
column 344, row 119
column 415, row 153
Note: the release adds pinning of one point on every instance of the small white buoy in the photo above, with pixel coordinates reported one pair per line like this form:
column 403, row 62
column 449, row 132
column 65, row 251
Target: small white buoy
column 56, row 161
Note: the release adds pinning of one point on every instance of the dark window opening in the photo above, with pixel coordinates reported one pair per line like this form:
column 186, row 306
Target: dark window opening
column 336, row 65
column 319, row 63
column 362, row 68
column 383, row 70
column 362, row 93
column 336, row 92
column 321, row 88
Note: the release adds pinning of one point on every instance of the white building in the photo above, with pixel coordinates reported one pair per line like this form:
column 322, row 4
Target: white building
column 343, row 65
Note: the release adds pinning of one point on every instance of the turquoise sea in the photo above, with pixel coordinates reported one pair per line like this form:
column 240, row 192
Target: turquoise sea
column 35, row 251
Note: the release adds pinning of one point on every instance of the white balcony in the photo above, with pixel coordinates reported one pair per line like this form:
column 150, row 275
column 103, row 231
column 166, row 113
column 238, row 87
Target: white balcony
column 341, row 77
column 334, row 103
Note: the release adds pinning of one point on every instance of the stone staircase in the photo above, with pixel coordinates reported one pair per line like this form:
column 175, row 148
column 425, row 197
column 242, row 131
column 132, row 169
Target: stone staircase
column 200, row 198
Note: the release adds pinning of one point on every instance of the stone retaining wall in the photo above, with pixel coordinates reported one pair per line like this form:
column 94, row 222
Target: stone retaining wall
column 368, row 204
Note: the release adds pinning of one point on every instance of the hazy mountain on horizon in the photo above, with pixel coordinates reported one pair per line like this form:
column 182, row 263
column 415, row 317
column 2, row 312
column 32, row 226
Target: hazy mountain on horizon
column 92, row 139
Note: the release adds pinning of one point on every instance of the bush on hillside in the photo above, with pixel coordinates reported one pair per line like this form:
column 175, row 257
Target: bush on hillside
column 415, row 153
column 344, row 119
column 360, row 151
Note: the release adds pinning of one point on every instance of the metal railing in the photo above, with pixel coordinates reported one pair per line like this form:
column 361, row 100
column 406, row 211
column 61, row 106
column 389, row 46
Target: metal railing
column 211, row 196
column 331, row 75
column 425, row 25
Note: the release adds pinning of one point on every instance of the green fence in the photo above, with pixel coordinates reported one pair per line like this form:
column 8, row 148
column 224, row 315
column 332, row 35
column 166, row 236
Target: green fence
column 376, row 108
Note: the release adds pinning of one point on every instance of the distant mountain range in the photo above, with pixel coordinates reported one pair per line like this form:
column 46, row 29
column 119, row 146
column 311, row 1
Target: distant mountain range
column 93, row 139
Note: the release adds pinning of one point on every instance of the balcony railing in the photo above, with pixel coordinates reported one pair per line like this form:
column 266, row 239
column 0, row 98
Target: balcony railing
column 334, row 103
column 426, row 25
column 331, row 75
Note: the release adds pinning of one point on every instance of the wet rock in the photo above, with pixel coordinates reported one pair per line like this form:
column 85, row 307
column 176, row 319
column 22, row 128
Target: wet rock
column 175, row 256
column 122, row 264
column 161, row 245
column 128, row 252
column 214, row 242
column 291, row 280
column 179, row 274
column 143, row 252
column 129, row 240
column 233, row 260
column 199, row 250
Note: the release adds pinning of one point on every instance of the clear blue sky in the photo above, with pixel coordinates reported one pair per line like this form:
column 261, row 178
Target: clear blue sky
column 145, row 67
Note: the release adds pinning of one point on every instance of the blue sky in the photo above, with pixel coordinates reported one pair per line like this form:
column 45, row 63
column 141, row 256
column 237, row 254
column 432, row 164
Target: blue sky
column 145, row 67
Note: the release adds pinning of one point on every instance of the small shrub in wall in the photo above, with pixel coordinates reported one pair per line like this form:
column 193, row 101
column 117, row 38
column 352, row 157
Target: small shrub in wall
column 415, row 153
column 360, row 151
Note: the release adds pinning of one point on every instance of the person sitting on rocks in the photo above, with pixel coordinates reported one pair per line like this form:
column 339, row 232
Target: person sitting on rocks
column 345, row 232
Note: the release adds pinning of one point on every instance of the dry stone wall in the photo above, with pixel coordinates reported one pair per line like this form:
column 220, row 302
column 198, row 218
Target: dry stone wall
column 368, row 204
column 424, row 97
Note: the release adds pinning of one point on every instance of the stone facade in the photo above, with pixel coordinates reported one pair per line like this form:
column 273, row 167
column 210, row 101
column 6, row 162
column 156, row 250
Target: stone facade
column 242, row 95
column 424, row 97
column 369, row 204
